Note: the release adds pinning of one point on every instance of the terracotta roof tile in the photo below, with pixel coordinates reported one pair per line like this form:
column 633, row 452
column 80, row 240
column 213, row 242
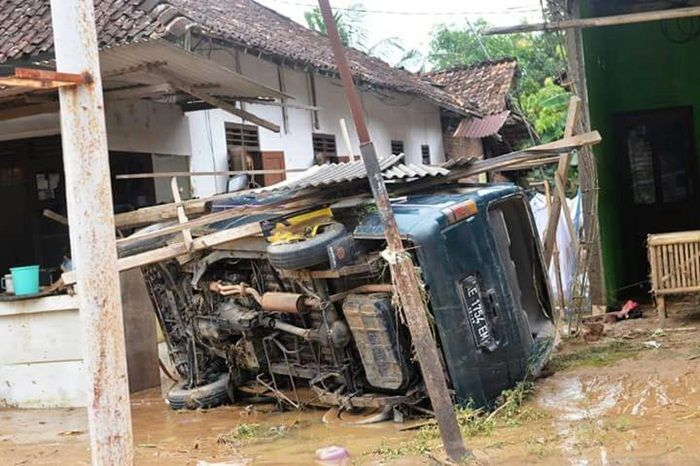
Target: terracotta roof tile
column 244, row 23
column 486, row 84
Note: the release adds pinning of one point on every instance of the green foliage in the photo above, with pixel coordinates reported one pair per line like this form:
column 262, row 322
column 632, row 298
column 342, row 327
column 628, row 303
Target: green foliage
column 547, row 108
column 599, row 355
column 511, row 410
column 350, row 24
column 245, row 433
column 353, row 33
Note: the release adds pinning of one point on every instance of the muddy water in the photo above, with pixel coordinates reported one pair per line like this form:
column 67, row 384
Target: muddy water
column 640, row 411
column 163, row 436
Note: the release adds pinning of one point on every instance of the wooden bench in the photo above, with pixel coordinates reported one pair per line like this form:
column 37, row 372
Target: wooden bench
column 675, row 265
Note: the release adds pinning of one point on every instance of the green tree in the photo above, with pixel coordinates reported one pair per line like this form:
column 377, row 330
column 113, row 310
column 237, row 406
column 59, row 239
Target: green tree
column 350, row 24
column 547, row 109
column 351, row 29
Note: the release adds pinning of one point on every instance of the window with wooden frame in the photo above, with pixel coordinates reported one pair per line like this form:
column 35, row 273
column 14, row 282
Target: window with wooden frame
column 325, row 150
column 245, row 136
column 425, row 154
column 396, row 147
column 243, row 145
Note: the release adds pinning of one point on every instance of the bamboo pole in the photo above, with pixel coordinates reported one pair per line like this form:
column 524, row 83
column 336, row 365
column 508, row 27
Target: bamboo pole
column 614, row 20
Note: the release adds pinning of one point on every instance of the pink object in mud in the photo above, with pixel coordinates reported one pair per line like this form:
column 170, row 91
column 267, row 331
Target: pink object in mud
column 333, row 455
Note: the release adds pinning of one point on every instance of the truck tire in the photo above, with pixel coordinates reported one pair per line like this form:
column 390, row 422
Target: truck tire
column 139, row 246
column 303, row 254
column 205, row 396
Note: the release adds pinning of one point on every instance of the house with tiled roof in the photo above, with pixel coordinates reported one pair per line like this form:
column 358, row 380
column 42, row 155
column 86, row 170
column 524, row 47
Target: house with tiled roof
column 189, row 86
column 501, row 127
column 302, row 123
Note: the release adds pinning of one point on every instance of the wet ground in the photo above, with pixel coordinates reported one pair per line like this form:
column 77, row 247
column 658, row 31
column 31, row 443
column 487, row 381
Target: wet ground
column 633, row 397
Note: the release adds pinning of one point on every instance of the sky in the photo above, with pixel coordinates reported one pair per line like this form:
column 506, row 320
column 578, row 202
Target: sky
column 419, row 18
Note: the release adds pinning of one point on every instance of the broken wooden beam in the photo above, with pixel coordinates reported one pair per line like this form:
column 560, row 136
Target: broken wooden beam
column 181, row 216
column 215, row 101
column 613, row 20
column 178, row 249
column 41, row 79
column 562, row 174
column 56, row 217
column 135, row 176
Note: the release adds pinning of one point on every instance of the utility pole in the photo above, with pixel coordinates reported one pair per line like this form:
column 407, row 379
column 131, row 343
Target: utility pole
column 93, row 246
column 400, row 262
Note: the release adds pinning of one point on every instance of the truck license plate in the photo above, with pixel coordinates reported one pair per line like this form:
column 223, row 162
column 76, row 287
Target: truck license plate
column 481, row 328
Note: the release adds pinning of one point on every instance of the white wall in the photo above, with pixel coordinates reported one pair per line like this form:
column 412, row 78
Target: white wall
column 169, row 163
column 132, row 126
column 390, row 116
column 41, row 355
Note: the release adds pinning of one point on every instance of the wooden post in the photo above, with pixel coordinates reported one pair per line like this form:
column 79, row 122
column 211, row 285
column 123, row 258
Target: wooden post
column 93, row 248
column 557, row 262
column 404, row 275
column 587, row 172
column 560, row 175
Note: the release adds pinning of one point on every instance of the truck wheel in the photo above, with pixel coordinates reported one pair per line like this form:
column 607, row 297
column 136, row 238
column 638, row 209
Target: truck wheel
column 205, row 396
column 303, row 254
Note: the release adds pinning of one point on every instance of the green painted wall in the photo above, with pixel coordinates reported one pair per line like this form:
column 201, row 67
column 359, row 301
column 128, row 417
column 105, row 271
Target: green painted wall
column 629, row 68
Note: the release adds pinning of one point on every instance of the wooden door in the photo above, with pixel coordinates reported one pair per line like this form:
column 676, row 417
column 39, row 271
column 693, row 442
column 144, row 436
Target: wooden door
column 273, row 160
column 657, row 181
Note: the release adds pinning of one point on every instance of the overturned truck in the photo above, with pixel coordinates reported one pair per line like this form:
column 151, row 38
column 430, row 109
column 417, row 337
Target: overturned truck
column 306, row 312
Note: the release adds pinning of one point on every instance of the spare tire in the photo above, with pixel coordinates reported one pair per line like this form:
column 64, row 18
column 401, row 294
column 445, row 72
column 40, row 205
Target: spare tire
column 307, row 253
column 205, row 396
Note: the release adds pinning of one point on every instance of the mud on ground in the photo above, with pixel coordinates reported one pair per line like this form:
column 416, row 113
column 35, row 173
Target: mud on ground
column 633, row 397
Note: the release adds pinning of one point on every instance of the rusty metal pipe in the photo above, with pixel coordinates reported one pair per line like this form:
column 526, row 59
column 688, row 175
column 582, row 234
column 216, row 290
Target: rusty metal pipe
column 291, row 303
column 272, row 301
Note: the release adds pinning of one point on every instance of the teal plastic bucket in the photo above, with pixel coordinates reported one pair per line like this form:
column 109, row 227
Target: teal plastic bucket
column 25, row 279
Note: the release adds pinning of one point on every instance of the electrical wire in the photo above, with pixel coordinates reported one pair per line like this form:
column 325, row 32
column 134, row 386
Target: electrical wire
column 361, row 9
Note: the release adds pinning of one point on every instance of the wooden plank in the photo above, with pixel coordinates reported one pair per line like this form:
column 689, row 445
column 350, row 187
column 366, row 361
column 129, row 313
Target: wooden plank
column 567, row 143
column 676, row 237
column 281, row 208
column 694, row 269
column 158, row 213
column 182, row 218
column 561, row 173
column 663, row 282
column 559, row 184
column 653, row 264
column 62, row 219
column 215, row 101
column 49, row 75
column 603, row 21
column 690, row 289
column 135, row 176
column 178, row 249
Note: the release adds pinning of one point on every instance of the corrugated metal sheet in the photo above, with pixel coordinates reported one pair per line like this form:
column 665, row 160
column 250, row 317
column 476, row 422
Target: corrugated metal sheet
column 335, row 173
column 478, row 128
column 401, row 171
column 193, row 69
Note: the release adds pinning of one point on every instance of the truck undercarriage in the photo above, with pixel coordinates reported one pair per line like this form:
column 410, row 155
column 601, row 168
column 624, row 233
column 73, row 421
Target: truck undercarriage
column 307, row 314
